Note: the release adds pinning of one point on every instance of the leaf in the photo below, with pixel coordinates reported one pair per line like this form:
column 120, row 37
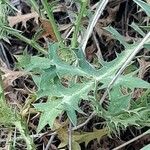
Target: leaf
column 147, row 45
column 68, row 101
column 117, row 35
column 83, row 63
column 147, row 147
column 137, row 114
column 80, row 137
column 33, row 62
column 7, row 115
column 136, row 28
column 89, row 136
column 126, row 81
column 13, row 20
column 75, row 146
column 48, row 30
column 71, row 113
column 122, row 120
column 9, row 76
column 144, row 6
column 49, row 81
column 55, row 70
column 118, row 101
column 49, row 112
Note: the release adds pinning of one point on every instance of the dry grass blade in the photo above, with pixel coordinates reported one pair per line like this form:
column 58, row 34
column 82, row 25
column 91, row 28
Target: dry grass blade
column 9, row 76
column 13, row 20
column 95, row 18
column 70, row 137
column 134, row 139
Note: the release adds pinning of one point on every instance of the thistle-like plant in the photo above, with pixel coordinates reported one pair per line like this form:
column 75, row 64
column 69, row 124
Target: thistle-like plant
column 51, row 72
column 66, row 84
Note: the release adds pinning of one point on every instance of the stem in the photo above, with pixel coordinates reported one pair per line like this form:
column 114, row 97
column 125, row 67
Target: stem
column 70, row 136
column 2, row 97
column 78, row 24
column 84, row 123
column 132, row 140
column 19, row 125
column 36, row 8
column 23, row 131
column 48, row 9
column 26, row 40
column 50, row 141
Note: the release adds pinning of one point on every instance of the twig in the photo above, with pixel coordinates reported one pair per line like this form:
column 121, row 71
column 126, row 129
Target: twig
column 48, row 9
column 42, row 134
column 84, row 123
column 14, row 137
column 70, row 136
column 134, row 139
column 50, row 141
column 8, row 141
column 94, row 20
column 99, row 53
column 17, row 34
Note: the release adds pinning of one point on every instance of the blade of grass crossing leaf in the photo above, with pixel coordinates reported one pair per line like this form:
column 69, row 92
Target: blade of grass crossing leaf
column 128, row 60
column 98, row 12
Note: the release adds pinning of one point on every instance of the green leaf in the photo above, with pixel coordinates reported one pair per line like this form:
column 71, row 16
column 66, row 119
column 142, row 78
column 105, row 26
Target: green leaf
column 23, row 60
column 33, row 62
column 117, row 35
column 55, row 71
column 118, row 101
column 126, row 81
column 146, row 27
column 69, row 101
column 110, row 68
column 144, row 6
column 7, row 115
column 71, row 113
column 49, row 111
column 83, row 63
column 147, row 147
column 147, row 45
column 136, row 28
